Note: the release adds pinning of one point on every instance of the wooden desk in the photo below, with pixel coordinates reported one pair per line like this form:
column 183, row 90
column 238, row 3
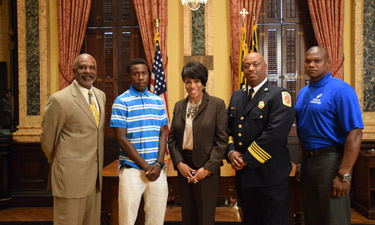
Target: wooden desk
column 227, row 188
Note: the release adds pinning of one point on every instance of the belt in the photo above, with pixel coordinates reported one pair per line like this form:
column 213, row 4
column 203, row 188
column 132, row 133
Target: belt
column 125, row 165
column 320, row 151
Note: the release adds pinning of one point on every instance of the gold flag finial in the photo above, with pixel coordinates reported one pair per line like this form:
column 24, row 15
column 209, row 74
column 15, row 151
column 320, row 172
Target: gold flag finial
column 157, row 22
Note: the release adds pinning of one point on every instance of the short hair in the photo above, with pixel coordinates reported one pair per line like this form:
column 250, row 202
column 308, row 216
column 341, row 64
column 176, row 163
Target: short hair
column 75, row 63
column 325, row 52
column 137, row 61
column 195, row 70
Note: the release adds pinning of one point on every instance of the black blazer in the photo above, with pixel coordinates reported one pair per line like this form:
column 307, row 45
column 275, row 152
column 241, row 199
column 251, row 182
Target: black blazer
column 260, row 130
column 209, row 133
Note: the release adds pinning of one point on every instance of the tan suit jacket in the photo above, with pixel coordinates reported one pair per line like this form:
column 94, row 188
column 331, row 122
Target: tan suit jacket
column 72, row 142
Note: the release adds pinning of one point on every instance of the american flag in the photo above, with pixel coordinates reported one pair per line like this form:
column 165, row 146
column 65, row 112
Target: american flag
column 158, row 85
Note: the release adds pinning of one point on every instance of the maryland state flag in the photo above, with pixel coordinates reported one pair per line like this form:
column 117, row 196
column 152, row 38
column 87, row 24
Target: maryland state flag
column 254, row 39
column 243, row 52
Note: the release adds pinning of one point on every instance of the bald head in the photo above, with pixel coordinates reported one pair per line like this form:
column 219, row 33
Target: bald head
column 255, row 54
column 84, row 68
column 255, row 68
column 317, row 63
column 319, row 49
column 84, row 55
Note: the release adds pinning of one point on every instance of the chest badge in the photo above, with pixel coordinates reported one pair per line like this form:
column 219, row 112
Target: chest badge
column 261, row 104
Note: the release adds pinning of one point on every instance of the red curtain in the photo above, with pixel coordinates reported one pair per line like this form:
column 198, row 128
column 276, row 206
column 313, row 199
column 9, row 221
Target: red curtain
column 147, row 11
column 72, row 17
column 327, row 17
column 236, row 6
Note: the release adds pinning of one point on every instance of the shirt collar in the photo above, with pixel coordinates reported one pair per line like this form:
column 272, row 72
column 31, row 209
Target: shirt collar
column 135, row 92
column 322, row 81
column 84, row 90
column 256, row 88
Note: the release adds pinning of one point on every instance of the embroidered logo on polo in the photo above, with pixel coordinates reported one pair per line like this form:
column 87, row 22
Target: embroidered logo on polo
column 316, row 100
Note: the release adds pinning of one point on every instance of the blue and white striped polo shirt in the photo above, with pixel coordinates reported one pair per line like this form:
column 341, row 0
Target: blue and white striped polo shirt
column 142, row 114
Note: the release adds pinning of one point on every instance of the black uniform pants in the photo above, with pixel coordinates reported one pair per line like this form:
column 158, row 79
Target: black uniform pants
column 265, row 205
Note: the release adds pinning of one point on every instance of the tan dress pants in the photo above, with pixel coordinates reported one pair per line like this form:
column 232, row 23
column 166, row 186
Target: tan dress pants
column 77, row 211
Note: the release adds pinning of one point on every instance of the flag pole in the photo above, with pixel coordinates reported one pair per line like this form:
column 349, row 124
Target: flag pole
column 158, row 80
column 157, row 22
column 254, row 38
column 243, row 50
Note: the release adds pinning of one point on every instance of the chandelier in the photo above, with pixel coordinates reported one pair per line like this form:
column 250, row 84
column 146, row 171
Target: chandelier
column 193, row 4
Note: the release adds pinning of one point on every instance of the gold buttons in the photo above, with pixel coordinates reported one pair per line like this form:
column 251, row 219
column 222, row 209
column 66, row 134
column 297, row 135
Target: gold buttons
column 240, row 143
column 240, row 126
column 239, row 134
column 261, row 116
column 241, row 118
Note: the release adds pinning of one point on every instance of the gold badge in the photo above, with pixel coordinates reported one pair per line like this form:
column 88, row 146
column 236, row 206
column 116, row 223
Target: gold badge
column 261, row 104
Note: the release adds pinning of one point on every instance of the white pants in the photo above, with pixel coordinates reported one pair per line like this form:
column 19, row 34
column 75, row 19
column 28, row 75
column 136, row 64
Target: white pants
column 133, row 183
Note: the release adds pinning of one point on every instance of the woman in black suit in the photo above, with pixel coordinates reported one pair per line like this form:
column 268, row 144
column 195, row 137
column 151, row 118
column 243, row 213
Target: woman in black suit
column 197, row 144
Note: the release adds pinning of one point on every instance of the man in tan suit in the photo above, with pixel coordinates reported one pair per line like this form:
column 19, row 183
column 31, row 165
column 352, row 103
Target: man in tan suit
column 72, row 139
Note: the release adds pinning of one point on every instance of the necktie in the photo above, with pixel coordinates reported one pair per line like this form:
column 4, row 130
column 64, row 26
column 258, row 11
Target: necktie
column 94, row 109
column 250, row 95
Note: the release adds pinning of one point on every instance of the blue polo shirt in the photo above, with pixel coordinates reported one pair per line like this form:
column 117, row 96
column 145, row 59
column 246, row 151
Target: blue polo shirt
column 142, row 114
column 326, row 111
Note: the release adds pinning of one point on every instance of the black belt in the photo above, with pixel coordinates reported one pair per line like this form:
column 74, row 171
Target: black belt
column 320, row 151
column 125, row 165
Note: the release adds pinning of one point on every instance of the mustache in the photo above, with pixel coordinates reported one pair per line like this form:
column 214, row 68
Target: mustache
column 90, row 75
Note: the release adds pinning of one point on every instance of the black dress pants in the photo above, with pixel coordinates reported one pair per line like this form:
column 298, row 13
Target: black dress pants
column 320, row 207
column 198, row 201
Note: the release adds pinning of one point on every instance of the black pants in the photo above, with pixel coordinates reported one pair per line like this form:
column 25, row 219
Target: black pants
column 265, row 205
column 320, row 207
column 198, row 201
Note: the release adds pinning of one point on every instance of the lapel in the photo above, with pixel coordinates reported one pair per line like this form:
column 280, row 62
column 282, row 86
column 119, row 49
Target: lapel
column 82, row 103
column 203, row 104
column 258, row 96
column 183, row 109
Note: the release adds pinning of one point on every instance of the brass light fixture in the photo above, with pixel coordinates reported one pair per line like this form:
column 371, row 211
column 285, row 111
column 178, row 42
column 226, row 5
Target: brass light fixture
column 193, row 4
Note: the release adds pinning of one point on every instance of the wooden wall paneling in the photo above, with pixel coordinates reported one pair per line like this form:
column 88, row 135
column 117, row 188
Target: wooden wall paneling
column 29, row 177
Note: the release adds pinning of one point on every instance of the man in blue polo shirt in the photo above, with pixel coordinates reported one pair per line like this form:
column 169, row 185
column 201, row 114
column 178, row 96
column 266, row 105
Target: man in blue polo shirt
column 139, row 121
column 329, row 126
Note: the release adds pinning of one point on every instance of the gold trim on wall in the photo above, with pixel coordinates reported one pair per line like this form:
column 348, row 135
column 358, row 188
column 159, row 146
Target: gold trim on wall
column 30, row 125
column 368, row 117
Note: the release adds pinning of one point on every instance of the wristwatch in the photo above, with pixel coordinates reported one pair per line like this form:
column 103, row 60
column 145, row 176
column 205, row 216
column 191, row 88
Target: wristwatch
column 160, row 164
column 344, row 177
column 208, row 172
